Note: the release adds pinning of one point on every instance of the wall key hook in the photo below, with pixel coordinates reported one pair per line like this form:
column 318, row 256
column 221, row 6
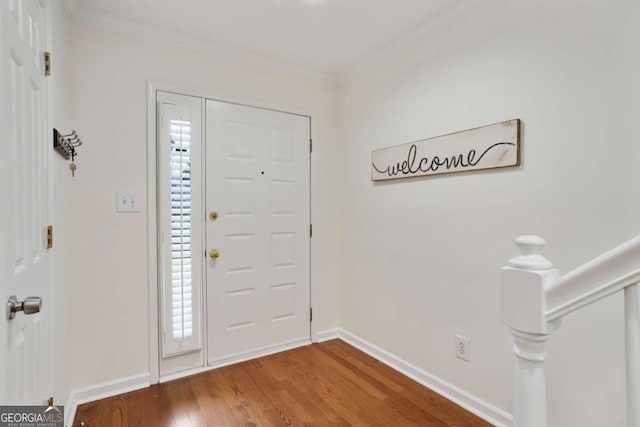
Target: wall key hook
column 66, row 146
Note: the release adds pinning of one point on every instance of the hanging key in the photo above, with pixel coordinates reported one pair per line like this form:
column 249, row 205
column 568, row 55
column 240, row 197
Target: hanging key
column 73, row 166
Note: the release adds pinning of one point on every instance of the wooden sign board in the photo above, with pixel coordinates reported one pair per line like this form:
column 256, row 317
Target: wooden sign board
column 487, row 147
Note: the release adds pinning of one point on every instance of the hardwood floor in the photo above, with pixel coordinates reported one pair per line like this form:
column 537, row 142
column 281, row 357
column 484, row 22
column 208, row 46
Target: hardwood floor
column 328, row 384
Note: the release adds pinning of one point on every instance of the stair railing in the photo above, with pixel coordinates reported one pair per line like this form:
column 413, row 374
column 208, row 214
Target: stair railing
column 535, row 297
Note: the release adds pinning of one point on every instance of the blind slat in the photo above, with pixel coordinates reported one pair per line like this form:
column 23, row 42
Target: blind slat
column 180, row 222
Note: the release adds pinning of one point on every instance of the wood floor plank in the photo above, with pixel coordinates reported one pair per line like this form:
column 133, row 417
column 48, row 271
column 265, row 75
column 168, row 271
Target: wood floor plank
column 320, row 413
column 336, row 392
column 404, row 408
column 369, row 365
column 119, row 411
column 328, row 384
column 257, row 400
column 230, row 409
column 340, row 385
column 437, row 405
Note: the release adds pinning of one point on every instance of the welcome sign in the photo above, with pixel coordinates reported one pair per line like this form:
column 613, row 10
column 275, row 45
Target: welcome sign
column 488, row 147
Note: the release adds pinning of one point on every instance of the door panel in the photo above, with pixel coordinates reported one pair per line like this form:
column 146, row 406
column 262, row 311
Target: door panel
column 24, row 264
column 257, row 179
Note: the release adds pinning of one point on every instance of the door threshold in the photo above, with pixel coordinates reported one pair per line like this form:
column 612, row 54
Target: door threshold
column 264, row 351
column 215, row 364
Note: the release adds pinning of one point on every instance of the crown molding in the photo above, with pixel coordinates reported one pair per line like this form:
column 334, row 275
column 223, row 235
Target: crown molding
column 152, row 33
column 411, row 40
column 360, row 67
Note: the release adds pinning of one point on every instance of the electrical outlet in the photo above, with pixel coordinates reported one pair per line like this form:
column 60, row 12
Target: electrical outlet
column 463, row 348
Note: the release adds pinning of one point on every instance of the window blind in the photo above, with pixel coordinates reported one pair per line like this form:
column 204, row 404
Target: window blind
column 181, row 230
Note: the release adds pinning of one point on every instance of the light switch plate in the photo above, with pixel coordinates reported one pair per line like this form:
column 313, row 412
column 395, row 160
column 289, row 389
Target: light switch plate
column 127, row 202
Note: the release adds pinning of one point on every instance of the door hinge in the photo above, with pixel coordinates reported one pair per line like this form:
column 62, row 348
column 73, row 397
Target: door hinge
column 49, row 236
column 310, row 230
column 47, row 63
column 311, row 145
column 310, row 314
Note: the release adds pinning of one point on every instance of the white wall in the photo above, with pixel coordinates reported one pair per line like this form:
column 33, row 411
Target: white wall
column 60, row 101
column 422, row 257
column 109, row 292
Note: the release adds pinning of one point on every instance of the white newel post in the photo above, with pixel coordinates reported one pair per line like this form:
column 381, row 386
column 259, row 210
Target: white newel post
column 632, row 332
column 523, row 309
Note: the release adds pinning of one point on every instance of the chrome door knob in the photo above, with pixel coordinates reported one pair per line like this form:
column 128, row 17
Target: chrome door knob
column 30, row 305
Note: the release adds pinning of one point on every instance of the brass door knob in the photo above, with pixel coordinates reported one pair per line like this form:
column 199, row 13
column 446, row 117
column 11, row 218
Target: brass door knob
column 213, row 215
column 214, row 253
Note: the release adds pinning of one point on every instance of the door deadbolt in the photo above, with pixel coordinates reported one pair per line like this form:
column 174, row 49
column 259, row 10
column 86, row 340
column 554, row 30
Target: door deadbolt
column 30, row 305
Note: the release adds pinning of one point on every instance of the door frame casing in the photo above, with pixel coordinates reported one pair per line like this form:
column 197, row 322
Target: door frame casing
column 152, row 218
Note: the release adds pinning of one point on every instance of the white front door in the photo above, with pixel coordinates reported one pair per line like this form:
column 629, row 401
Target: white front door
column 25, row 377
column 258, row 221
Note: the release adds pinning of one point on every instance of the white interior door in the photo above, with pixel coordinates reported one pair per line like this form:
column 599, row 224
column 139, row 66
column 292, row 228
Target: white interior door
column 25, row 143
column 257, row 181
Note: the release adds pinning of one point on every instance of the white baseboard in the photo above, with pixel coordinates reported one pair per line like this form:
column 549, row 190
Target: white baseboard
column 70, row 410
column 471, row 403
column 102, row 391
column 328, row 334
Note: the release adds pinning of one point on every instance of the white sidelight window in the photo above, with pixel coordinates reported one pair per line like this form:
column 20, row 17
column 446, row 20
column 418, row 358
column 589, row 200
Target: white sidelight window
column 180, row 221
column 181, row 274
